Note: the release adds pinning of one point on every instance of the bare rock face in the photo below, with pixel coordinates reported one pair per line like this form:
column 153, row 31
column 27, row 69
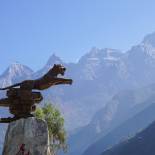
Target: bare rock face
column 28, row 137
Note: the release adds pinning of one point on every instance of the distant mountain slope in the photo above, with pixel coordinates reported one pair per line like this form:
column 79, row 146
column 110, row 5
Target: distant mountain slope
column 141, row 144
column 126, row 129
column 120, row 108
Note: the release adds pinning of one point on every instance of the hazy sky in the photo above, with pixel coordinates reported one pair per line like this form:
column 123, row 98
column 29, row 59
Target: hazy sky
column 31, row 30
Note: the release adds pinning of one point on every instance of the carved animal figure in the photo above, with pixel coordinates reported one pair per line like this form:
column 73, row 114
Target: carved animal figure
column 46, row 81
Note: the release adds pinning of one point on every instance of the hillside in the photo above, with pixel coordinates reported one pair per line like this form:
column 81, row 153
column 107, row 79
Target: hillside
column 120, row 108
column 125, row 130
column 141, row 144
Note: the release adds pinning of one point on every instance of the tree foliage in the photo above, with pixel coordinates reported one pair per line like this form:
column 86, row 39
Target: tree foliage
column 55, row 122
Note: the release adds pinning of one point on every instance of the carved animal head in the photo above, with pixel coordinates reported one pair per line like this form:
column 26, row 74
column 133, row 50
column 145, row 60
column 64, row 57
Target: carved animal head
column 58, row 69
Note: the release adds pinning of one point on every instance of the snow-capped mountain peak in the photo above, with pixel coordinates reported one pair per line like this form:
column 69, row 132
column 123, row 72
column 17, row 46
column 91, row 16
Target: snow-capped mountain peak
column 18, row 69
column 53, row 60
column 97, row 55
column 149, row 39
column 15, row 72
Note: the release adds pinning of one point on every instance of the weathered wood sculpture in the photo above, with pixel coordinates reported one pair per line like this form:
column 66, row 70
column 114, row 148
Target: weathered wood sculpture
column 21, row 100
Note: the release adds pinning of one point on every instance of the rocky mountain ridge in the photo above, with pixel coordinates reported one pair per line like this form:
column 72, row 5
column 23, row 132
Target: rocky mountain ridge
column 98, row 75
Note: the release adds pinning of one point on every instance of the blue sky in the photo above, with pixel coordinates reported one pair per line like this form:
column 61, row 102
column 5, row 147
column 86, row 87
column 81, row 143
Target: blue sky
column 31, row 30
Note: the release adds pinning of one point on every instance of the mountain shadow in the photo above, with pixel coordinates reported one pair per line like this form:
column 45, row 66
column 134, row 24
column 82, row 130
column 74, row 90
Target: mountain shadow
column 125, row 130
column 142, row 144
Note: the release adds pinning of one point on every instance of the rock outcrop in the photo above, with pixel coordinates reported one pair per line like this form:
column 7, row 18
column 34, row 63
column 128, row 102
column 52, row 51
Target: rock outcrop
column 27, row 136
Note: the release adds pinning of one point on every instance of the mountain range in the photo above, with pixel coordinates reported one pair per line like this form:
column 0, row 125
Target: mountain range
column 107, row 87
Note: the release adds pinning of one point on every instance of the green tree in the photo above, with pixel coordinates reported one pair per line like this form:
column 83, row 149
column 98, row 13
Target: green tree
column 55, row 122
